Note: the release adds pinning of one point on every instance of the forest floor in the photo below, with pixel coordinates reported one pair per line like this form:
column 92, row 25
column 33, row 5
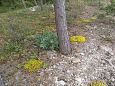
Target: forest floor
column 92, row 60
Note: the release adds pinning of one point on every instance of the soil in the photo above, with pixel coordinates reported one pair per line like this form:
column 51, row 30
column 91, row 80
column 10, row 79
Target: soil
column 92, row 60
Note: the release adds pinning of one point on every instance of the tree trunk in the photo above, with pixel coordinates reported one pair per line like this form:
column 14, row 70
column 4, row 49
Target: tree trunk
column 61, row 26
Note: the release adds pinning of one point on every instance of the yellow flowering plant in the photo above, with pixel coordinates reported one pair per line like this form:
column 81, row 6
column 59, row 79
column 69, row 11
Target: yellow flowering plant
column 79, row 39
column 97, row 83
column 33, row 65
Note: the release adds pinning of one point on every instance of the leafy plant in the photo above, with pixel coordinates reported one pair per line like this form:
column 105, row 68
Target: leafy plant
column 97, row 83
column 110, row 9
column 47, row 41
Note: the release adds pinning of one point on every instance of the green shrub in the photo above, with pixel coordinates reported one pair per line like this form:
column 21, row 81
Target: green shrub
column 110, row 9
column 47, row 41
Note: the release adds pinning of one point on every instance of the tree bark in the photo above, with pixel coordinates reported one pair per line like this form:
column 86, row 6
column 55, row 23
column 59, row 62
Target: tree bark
column 61, row 26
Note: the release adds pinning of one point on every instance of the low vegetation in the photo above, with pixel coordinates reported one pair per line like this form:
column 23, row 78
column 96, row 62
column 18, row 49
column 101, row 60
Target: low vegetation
column 47, row 41
column 110, row 9
column 97, row 83
column 33, row 65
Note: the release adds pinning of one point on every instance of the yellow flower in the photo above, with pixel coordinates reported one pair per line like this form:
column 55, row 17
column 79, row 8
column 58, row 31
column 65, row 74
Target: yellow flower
column 97, row 83
column 79, row 39
column 33, row 65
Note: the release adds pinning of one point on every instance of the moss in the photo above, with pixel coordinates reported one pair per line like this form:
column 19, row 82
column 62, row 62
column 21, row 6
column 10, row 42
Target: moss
column 79, row 39
column 97, row 83
column 33, row 65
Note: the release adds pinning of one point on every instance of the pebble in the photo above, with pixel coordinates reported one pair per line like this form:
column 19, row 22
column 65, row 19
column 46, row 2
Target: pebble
column 78, row 81
column 76, row 60
column 107, row 49
column 82, row 54
column 1, row 81
column 61, row 83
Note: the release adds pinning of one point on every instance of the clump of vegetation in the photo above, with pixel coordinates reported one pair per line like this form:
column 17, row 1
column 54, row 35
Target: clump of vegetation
column 33, row 65
column 79, row 39
column 93, row 18
column 47, row 41
column 85, row 21
column 101, row 16
column 10, row 49
column 97, row 83
column 110, row 9
column 15, row 37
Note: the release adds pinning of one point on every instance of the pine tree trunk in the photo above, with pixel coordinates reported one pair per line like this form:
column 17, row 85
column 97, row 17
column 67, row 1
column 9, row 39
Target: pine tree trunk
column 61, row 26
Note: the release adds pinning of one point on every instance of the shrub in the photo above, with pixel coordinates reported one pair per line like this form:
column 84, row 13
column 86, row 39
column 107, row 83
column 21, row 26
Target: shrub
column 47, row 41
column 97, row 83
column 110, row 9
column 33, row 65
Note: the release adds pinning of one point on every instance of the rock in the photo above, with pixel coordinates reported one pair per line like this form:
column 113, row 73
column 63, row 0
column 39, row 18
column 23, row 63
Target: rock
column 112, row 79
column 107, row 49
column 76, row 60
column 1, row 81
column 113, row 62
column 78, row 81
column 61, row 83
column 82, row 54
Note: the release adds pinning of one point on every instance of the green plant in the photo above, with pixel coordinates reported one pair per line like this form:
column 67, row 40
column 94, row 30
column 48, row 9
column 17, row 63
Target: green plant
column 15, row 40
column 12, row 47
column 11, row 50
column 101, row 16
column 97, row 83
column 110, row 9
column 47, row 41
